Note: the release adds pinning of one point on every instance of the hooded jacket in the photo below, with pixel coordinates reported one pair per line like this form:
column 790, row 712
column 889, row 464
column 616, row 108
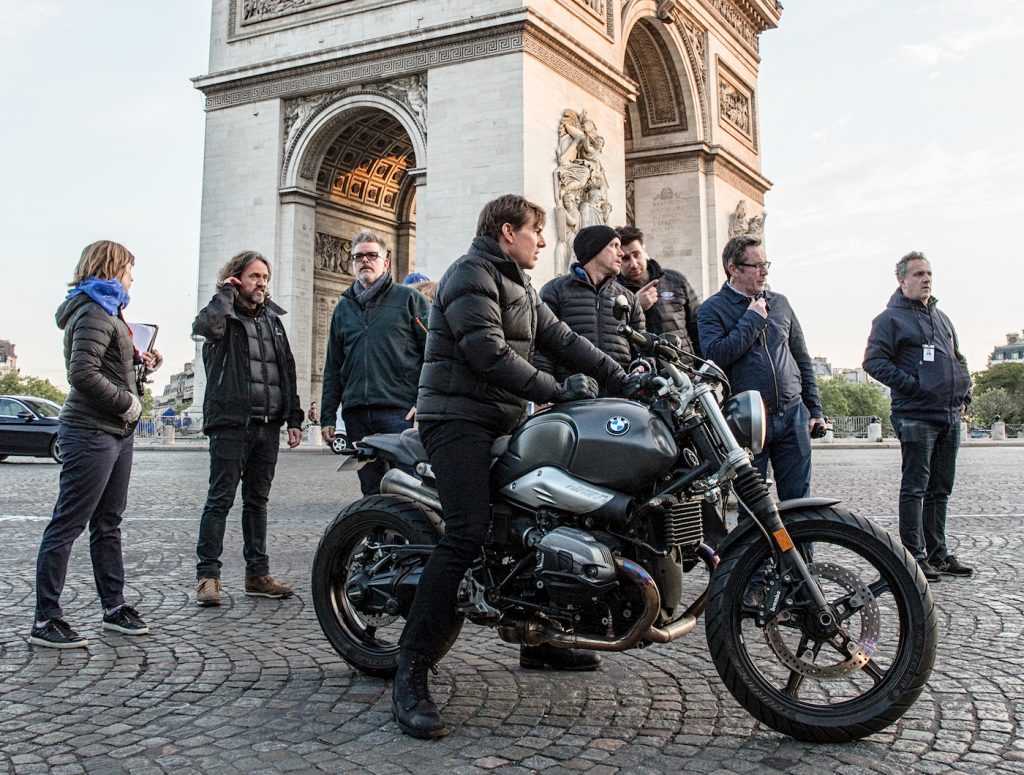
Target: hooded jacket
column 587, row 310
column 486, row 324
column 675, row 312
column 375, row 349
column 921, row 390
column 227, row 358
column 767, row 355
column 100, row 359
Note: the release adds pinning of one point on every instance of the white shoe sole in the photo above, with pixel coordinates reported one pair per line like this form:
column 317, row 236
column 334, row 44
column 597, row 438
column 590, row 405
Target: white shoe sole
column 267, row 594
column 78, row 644
column 125, row 630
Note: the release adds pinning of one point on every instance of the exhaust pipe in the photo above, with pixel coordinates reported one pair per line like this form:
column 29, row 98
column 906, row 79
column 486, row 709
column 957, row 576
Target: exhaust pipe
column 688, row 621
column 652, row 605
column 398, row 482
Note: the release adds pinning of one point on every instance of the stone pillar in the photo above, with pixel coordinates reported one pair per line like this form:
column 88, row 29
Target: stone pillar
column 875, row 430
column 998, row 431
column 293, row 280
column 964, row 432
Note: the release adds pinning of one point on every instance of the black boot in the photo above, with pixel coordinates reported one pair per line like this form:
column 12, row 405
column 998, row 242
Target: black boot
column 414, row 711
column 545, row 655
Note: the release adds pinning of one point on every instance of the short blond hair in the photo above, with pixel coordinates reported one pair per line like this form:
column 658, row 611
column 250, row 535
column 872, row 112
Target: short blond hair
column 104, row 259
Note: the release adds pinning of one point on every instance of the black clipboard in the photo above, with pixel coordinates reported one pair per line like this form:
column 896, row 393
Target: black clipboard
column 144, row 335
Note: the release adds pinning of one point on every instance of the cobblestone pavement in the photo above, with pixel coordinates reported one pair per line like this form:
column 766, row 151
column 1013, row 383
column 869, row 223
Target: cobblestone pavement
column 254, row 687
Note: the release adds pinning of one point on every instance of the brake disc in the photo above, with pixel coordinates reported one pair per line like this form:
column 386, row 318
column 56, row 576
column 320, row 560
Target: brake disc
column 862, row 645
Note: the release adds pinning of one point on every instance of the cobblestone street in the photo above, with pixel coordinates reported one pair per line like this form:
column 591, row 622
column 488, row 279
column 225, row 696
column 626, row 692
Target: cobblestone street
column 253, row 686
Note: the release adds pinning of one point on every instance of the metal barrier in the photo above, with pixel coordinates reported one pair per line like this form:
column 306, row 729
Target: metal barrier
column 857, row 427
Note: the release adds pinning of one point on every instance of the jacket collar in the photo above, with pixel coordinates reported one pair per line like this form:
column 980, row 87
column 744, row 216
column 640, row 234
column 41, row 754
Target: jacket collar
column 488, row 248
column 899, row 300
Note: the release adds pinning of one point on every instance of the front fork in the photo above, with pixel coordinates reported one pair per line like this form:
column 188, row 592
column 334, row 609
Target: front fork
column 752, row 494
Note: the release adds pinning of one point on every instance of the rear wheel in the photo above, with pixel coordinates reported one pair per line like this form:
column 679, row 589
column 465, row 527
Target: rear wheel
column 55, row 449
column 355, row 543
column 339, row 443
column 790, row 673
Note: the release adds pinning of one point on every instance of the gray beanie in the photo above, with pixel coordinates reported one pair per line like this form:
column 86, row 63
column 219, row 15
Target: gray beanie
column 591, row 241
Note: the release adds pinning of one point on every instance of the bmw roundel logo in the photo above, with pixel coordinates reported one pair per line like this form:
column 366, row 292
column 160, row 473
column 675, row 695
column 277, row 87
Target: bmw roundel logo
column 616, row 426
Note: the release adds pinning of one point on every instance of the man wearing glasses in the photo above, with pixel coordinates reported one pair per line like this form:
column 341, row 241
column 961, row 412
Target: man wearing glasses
column 374, row 353
column 753, row 334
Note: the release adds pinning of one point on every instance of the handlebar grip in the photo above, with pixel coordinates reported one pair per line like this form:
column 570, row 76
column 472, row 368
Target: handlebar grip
column 641, row 342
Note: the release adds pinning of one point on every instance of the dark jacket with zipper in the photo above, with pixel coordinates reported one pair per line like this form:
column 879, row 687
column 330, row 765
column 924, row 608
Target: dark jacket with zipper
column 375, row 349
column 921, row 390
column 229, row 358
column 764, row 354
column 675, row 312
column 486, row 324
column 587, row 310
column 100, row 359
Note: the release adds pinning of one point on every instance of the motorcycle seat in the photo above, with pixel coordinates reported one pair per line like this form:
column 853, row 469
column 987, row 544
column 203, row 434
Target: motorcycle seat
column 406, row 447
column 411, row 441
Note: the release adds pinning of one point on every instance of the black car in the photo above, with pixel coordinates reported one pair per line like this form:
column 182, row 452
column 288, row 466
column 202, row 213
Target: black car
column 28, row 426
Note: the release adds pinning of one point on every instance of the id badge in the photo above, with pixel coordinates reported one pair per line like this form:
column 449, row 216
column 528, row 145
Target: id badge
column 929, row 352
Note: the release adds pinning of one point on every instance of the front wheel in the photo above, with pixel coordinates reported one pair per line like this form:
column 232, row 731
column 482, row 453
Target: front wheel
column 55, row 449
column 789, row 673
column 352, row 555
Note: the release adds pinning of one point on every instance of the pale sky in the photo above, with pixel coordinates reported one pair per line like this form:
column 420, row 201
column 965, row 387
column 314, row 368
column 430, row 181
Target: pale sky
column 885, row 127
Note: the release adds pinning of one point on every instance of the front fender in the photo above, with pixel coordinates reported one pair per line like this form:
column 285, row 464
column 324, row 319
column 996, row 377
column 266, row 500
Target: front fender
column 748, row 525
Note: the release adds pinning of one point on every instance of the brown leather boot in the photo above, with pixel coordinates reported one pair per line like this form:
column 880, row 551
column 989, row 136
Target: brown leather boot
column 266, row 586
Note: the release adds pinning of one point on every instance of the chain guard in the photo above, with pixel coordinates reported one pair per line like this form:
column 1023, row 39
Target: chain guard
column 866, row 608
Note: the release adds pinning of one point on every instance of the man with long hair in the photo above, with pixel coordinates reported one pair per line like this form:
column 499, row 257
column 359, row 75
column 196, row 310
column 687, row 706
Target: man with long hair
column 250, row 394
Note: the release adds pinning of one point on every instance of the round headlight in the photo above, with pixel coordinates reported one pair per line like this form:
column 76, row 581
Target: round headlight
column 745, row 414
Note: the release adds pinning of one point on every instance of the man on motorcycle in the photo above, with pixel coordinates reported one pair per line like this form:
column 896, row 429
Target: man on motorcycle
column 485, row 325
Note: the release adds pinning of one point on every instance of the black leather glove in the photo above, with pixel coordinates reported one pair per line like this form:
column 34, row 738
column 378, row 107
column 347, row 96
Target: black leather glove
column 575, row 388
column 633, row 387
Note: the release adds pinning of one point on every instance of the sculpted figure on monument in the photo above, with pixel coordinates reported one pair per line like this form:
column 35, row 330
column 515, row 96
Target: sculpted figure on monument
column 581, row 187
column 740, row 224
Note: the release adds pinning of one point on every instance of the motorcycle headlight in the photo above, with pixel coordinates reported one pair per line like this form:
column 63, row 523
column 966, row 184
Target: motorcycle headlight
column 745, row 414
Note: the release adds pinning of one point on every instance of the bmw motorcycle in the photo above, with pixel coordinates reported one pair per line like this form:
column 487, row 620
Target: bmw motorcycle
column 595, row 529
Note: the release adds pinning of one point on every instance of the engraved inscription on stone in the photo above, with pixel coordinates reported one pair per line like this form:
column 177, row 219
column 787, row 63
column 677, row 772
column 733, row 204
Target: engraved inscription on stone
column 667, row 223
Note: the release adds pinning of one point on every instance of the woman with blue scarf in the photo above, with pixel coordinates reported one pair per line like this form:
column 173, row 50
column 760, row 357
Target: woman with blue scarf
column 97, row 426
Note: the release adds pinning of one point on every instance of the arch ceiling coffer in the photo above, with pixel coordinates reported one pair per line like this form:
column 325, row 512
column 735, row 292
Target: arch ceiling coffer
column 660, row 100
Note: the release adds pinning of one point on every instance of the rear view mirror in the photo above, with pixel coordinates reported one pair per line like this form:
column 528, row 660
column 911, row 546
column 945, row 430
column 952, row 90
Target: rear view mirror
column 25, row 414
column 620, row 308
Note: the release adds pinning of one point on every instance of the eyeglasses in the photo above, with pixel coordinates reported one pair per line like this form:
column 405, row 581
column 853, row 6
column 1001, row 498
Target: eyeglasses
column 365, row 257
column 757, row 267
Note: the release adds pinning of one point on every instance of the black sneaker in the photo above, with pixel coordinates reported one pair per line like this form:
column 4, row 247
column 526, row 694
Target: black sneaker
column 930, row 571
column 125, row 620
column 57, row 634
column 951, row 566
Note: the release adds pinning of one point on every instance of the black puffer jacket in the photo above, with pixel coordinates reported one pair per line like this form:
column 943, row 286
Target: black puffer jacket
column 100, row 359
column 486, row 323
column 921, row 390
column 587, row 310
column 227, row 360
column 675, row 311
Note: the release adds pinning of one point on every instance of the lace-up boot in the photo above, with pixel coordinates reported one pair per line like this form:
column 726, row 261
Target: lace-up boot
column 414, row 711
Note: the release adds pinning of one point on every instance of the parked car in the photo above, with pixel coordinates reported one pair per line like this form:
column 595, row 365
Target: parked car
column 340, row 443
column 28, row 426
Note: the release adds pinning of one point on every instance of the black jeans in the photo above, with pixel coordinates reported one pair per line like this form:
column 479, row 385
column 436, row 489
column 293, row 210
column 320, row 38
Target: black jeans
column 362, row 421
column 929, row 469
column 460, row 454
column 93, row 491
column 248, row 455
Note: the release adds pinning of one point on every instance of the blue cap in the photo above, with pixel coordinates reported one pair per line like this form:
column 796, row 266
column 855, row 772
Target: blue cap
column 414, row 277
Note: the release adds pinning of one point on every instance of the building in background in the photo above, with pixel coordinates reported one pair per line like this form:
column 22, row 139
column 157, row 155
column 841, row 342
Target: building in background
column 1013, row 350
column 8, row 360
column 327, row 116
column 179, row 391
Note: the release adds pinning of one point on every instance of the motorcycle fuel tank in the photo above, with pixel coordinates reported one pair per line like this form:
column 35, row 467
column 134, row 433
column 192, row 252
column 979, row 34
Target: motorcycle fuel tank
column 609, row 442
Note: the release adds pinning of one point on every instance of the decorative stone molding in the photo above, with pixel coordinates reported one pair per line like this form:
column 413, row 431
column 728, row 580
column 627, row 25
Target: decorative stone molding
column 739, row 223
column 667, row 165
column 738, row 21
column 695, row 38
column 581, row 188
column 261, row 10
column 332, row 254
column 750, row 185
column 737, row 108
column 409, row 92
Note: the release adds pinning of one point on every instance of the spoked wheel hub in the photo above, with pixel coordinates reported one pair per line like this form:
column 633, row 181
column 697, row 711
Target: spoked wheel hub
column 836, row 643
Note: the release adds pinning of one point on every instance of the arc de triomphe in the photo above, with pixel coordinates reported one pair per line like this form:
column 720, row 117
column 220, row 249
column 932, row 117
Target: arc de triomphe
column 326, row 116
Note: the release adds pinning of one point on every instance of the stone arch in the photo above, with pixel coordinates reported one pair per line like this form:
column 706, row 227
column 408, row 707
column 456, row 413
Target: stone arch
column 352, row 160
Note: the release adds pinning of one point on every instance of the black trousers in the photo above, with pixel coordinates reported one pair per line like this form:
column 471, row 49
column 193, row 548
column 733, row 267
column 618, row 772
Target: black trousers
column 248, row 455
column 460, row 454
column 93, row 492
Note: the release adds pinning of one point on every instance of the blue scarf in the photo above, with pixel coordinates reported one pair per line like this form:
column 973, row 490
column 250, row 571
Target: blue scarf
column 109, row 294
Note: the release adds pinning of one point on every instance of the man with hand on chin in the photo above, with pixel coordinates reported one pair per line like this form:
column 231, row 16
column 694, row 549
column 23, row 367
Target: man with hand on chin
column 754, row 335
column 250, row 393
column 374, row 353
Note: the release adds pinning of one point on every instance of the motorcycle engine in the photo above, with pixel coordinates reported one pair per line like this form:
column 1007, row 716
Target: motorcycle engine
column 573, row 566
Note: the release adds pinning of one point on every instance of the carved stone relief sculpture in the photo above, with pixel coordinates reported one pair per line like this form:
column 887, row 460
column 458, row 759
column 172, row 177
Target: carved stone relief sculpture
column 331, row 254
column 734, row 106
column 260, row 10
column 739, row 223
column 581, row 188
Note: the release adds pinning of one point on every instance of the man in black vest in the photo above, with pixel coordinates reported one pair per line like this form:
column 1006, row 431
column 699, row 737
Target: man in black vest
column 250, row 393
